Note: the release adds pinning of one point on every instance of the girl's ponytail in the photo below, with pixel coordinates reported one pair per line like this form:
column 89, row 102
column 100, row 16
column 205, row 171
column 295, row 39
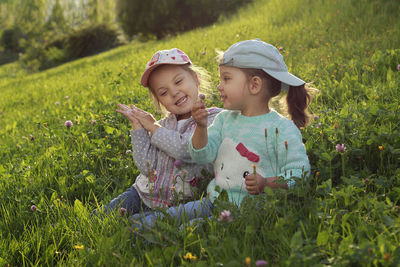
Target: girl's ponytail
column 298, row 100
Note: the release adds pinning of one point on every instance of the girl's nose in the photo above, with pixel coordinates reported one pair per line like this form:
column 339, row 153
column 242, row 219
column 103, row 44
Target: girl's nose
column 175, row 91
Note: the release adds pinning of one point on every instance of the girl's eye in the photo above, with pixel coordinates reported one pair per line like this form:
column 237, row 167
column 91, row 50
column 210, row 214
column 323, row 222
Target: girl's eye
column 245, row 174
column 222, row 166
column 226, row 78
column 179, row 81
column 163, row 93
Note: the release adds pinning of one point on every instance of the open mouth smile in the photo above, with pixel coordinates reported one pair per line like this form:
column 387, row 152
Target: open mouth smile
column 181, row 101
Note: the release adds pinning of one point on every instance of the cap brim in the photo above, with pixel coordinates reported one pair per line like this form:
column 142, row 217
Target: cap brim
column 285, row 77
column 146, row 74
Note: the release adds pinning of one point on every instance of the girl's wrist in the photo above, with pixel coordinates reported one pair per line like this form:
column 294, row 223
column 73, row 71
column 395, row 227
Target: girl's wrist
column 136, row 126
column 201, row 126
column 268, row 182
column 154, row 128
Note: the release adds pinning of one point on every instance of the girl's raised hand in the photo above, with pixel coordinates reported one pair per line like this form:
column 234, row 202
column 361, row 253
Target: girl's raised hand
column 127, row 111
column 146, row 119
column 199, row 113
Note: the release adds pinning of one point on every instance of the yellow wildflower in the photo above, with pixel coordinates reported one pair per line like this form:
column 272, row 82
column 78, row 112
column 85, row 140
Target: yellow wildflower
column 79, row 247
column 190, row 257
column 247, row 261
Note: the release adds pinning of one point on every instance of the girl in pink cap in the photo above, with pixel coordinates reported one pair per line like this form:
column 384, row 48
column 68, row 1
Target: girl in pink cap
column 161, row 148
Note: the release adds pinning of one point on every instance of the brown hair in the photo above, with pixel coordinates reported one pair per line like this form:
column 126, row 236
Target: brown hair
column 203, row 76
column 297, row 100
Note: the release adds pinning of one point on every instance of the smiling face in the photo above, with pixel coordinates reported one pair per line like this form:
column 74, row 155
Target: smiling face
column 176, row 88
column 233, row 88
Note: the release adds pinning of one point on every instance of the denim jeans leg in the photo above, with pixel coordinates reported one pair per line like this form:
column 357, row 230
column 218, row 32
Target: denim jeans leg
column 184, row 212
column 130, row 200
column 191, row 210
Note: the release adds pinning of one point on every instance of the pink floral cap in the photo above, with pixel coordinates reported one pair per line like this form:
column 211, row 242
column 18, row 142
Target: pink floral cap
column 172, row 56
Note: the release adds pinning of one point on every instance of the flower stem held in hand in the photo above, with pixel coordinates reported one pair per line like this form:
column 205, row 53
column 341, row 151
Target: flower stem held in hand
column 200, row 116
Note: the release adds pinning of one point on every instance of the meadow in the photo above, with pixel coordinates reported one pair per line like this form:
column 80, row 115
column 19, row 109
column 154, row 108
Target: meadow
column 345, row 214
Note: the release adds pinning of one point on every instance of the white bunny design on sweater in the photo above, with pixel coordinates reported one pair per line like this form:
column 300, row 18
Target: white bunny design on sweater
column 234, row 161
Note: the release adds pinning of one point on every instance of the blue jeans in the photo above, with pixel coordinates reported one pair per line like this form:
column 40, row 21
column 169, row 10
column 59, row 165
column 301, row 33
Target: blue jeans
column 189, row 212
column 130, row 200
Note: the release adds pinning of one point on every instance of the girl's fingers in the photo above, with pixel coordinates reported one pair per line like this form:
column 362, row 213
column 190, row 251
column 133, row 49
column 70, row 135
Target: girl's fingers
column 136, row 109
column 250, row 180
column 121, row 111
column 250, row 190
column 197, row 106
column 124, row 107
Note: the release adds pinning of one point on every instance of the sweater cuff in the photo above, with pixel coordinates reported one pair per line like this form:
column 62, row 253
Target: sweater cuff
column 198, row 155
column 157, row 134
column 288, row 177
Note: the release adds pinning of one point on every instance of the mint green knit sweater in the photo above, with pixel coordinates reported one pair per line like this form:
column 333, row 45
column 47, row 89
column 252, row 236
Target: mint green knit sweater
column 275, row 158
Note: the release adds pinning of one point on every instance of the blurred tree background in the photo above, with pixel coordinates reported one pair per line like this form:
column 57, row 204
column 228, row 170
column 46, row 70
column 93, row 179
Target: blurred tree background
column 41, row 34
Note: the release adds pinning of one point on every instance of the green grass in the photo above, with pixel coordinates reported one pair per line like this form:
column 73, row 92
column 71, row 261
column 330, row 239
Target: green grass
column 346, row 213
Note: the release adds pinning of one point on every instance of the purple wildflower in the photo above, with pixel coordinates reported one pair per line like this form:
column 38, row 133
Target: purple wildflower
column 57, row 103
column 122, row 212
column 203, row 53
column 340, row 148
column 31, row 137
column 33, row 208
column 398, row 67
column 177, row 163
column 316, row 117
column 225, row 216
column 128, row 151
column 68, row 123
column 319, row 125
column 261, row 263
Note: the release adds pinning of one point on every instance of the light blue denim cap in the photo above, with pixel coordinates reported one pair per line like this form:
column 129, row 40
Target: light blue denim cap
column 260, row 55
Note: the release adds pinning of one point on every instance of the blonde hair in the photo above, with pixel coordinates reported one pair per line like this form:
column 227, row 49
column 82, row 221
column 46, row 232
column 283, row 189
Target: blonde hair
column 220, row 55
column 205, row 84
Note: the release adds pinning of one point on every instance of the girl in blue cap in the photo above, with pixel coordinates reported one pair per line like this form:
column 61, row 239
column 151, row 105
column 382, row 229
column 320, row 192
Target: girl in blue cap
column 252, row 72
column 251, row 144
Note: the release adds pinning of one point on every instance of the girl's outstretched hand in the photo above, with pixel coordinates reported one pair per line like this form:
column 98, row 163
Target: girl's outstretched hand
column 200, row 114
column 128, row 112
column 255, row 184
column 146, row 119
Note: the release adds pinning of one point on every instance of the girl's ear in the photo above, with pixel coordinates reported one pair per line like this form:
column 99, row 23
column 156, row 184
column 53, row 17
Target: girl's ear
column 196, row 78
column 194, row 75
column 255, row 85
